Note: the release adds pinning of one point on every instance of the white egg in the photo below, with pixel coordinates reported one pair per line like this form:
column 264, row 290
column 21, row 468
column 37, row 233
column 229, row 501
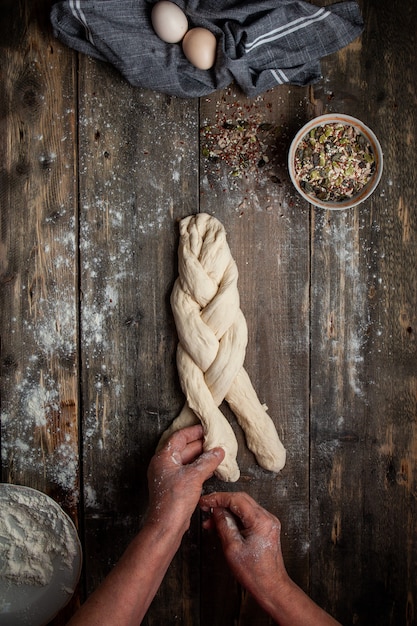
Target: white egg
column 169, row 21
column 199, row 46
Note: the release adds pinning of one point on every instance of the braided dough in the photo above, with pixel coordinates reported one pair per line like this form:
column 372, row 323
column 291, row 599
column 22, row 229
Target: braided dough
column 212, row 335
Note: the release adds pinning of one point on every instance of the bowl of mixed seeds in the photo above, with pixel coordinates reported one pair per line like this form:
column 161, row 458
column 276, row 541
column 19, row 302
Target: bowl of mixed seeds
column 335, row 161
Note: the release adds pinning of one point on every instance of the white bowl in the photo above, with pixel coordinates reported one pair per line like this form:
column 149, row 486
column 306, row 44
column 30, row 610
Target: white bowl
column 32, row 519
column 370, row 186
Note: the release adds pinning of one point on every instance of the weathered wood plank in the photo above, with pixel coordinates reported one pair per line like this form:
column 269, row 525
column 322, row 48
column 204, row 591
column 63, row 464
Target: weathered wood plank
column 138, row 174
column 244, row 183
column 39, row 393
column 364, row 302
column 39, row 301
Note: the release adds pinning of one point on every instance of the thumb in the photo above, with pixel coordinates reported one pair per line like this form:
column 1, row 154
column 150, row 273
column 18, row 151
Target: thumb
column 226, row 526
column 208, row 462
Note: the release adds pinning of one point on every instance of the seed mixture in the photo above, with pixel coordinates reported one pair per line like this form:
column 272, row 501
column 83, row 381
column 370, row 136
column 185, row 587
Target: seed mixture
column 242, row 140
column 334, row 162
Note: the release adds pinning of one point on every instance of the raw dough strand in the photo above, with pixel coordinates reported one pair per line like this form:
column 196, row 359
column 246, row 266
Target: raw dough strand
column 212, row 335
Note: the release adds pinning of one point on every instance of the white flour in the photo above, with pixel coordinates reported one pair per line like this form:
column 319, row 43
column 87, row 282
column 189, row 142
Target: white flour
column 34, row 532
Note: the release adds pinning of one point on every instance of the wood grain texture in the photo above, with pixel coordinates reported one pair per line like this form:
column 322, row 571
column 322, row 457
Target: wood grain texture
column 137, row 177
column 39, row 395
column 94, row 176
column 38, row 260
column 363, row 376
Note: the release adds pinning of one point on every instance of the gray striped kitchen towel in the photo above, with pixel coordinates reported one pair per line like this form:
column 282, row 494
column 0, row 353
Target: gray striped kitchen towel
column 261, row 43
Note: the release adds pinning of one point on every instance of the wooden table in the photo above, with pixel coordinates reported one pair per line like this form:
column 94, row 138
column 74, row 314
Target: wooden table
column 94, row 177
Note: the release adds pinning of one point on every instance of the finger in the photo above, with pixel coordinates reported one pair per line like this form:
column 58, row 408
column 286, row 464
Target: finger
column 226, row 526
column 178, row 441
column 225, row 521
column 208, row 523
column 192, row 451
column 212, row 518
column 240, row 504
column 208, row 462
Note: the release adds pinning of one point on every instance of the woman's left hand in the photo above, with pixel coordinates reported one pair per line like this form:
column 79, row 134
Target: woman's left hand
column 176, row 476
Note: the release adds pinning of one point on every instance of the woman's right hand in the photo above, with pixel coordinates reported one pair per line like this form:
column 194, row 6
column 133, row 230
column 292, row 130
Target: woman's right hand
column 250, row 537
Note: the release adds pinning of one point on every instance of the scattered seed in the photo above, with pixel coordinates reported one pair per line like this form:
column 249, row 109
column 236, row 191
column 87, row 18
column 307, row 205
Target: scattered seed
column 242, row 141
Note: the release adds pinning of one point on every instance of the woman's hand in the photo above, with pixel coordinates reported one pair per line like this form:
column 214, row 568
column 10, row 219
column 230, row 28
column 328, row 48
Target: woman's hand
column 176, row 475
column 250, row 537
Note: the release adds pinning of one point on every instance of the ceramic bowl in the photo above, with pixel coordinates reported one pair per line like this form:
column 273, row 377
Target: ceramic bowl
column 362, row 194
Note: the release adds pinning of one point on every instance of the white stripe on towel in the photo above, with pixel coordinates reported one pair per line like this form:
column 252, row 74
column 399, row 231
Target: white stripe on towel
column 279, row 77
column 286, row 29
column 78, row 13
